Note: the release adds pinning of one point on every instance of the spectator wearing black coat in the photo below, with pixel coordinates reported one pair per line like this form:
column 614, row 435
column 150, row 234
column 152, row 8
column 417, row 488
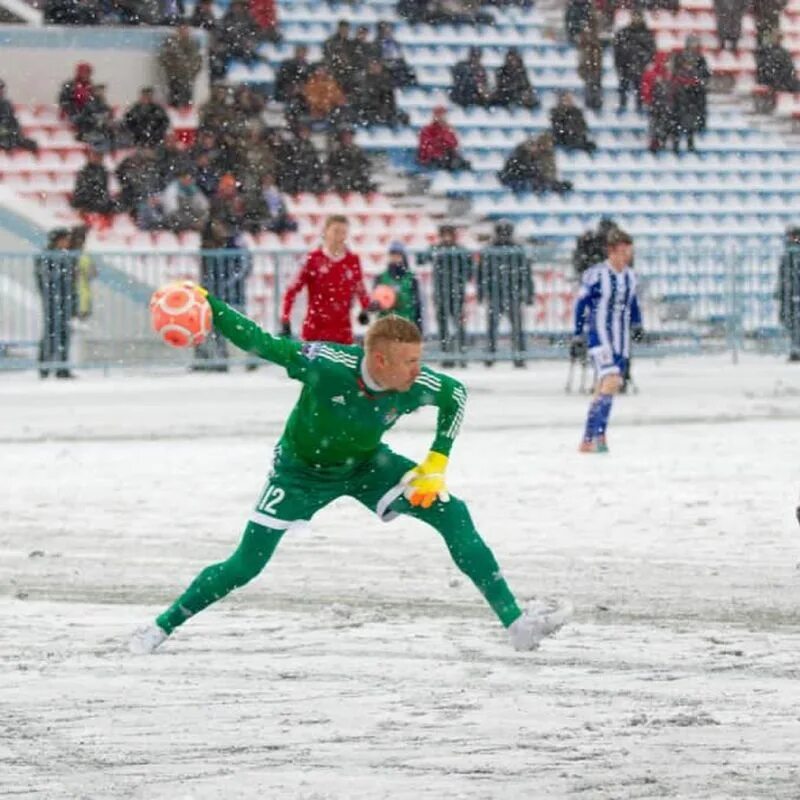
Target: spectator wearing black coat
column 374, row 102
column 292, row 74
column 775, row 67
column 95, row 125
column 576, row 18
column 634, row 48
column 729, row 22
column 512, row 87
column 299, row 165
column 237, row 34
column 146, row 120
column 91, row 193
column 390, row 52
column 139, row 179
column 569, row 125
column 11, row 136
column 470, row 81
column 337, row 54
column 531, row 167
column 266, row 210
column 348, row 166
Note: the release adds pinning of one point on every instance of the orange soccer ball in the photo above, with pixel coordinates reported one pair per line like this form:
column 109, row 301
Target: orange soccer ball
column 385, row 296
column 180, row 314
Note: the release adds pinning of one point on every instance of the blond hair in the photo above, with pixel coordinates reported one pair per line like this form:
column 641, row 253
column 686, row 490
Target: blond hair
column 392, row 328
column 333, row 219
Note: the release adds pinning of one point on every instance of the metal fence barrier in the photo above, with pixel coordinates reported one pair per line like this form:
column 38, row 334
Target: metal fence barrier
column 498, row 303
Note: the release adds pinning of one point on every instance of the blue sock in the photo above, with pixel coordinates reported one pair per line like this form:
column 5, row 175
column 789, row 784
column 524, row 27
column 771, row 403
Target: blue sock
column 604, row 402
column 592, row 420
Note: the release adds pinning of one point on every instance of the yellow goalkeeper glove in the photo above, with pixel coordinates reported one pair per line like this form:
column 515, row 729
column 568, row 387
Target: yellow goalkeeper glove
column 425, row 483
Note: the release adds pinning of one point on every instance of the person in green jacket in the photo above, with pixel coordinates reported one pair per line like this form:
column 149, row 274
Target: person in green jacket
column 331, row 447
column 404, row 298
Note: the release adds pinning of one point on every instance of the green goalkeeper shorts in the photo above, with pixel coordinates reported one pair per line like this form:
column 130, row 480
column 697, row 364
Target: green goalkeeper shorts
column 295, row 491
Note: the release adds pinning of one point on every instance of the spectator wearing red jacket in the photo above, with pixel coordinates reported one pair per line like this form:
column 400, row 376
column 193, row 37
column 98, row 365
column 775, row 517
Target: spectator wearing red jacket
column 332, row 277
column 77, row 92
column 438, row 144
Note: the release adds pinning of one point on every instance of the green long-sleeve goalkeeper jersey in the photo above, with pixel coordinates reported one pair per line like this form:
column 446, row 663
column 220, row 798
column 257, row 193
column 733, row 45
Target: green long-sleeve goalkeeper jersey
column 338, row 420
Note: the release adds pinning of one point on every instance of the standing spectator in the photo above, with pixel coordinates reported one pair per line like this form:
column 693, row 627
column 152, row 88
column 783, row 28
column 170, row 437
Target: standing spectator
column 324, row 98
column 374, row 102
column 55, row 278
column 332, row 277
column 348, row 166
column 688, row 98
column 224, row 272
column 337, row 53
column 693, row 64
column 146, row 121
column 362, row 52
column 292, row 73
column 438, row 144
column 75, row 93
column 634, row 48
column 299, row 165
column 11, row 136
column 590, row 64
column 402, row 285
column 788, row 292
column 505, row 284
column 139, row 179
column 576, row 18
column 470, row 81
column 390, row 52
column 181, row 61
column 236, row 35
column 452, row 271
column 729, row 22
column 569, row 126
column 656, row 91
column 91, row 194
column 95, row 124
column 775, row 67
column 767, row 14
column 265, row 16
column 265, row 209
column 185, row 206
column 511, row 86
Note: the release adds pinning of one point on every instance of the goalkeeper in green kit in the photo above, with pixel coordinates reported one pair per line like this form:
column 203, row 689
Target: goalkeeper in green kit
column 331, row 446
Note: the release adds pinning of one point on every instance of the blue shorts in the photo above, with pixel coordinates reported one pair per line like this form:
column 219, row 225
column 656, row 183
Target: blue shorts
column 607, row 362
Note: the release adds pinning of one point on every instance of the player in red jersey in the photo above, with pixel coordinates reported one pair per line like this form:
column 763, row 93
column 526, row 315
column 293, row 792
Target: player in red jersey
column 332, row 276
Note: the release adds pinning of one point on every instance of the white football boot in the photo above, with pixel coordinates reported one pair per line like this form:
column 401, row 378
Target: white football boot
column 538, row 622
column 146, row 639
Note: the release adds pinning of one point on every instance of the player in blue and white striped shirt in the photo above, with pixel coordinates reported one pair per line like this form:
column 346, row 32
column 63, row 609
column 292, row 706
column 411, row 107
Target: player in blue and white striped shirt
column 607, row 303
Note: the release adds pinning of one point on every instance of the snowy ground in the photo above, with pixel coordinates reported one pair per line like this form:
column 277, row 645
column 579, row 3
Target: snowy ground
column 360, row 664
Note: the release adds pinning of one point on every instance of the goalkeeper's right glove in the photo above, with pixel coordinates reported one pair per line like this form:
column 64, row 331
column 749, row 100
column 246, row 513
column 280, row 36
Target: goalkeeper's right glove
column 577, row 348
column 286, row 329
column 425, row 483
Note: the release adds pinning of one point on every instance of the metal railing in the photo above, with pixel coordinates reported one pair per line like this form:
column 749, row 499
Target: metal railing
column 476, row 305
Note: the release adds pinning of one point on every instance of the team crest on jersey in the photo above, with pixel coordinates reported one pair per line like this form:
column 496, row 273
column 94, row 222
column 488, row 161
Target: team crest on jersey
column 390, row 416
column 311, row 350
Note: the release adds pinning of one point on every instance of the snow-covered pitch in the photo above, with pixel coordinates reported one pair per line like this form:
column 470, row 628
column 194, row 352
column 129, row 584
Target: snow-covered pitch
column 361, row 664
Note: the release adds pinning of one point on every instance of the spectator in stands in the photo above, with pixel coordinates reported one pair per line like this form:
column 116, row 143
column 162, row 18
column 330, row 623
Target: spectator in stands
column 576, row 18
column 590, row 63
column 767, row 14
column 695, row 74
column 688, row 99
column 788, row 292
column 348, row 166
column 374, row 101
column 390, row 52
column 292, row 73
column 172, row 159
column 505, row 284
column 150, row 214
column 775, row 67
column 362, row 52
column 55, row 279
column 438, row 144
column 185, row 206
column 531, row 167
column 95, row 124
column 658, row 96
column 402, row 285
column 91, row 194
column 204, row 16
column 337, row 53
column 139, row 179
column 146, row 120
column 511, row 85
column 729, row 22
column 299, row 165
column 266, row 210
column 236, row 35
column 75, row 93
column 452, row 271
column 258, row 159
column 592, row 247
column 248, row 105
column 634, row 48
column 181, row 60
column 225, row 275
column 569, row 126
column 217, row 114
column 11, row 136
column 324, row 100
column 265, row 17
column 71, row 12
column 444, row 12
column 470, row 81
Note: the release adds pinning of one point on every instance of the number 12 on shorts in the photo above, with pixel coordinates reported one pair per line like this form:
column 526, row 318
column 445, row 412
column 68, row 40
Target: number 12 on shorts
column 270, row 499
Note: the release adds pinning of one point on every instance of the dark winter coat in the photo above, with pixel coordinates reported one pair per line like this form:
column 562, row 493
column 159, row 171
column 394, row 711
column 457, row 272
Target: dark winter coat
column 299, row 168
column 470, row 84
column 147, row 123
column 569, row 126
column 775, row 68
column 634, row 48
column 9, row 125
column 291, row 73
column 349, row 170
column 512, row 86
column 91, row 190
column 375, row 101
column 729, row 18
